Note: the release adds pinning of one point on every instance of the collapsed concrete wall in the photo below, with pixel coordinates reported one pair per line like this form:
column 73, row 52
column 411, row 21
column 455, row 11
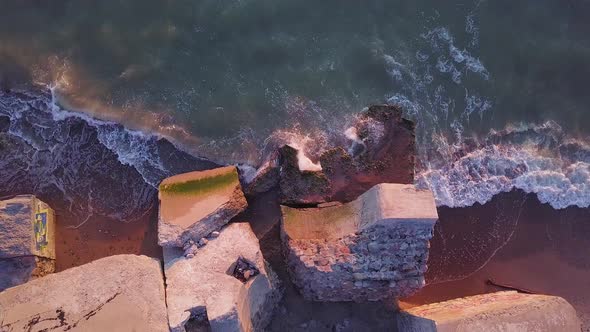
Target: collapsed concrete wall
column 117, row 293
column 381, row 150
column 495, row 312
column 192, row 205
column 27, row 240
column 226, row 282
column 373, row 248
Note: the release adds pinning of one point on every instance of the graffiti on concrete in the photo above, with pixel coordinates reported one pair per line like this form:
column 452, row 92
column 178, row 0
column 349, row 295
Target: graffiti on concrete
column 40, row 229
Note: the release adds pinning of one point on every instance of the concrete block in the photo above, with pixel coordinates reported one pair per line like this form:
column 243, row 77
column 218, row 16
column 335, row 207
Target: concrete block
column 118, row 293
column 27, row 240
column 373, row 248
column 192, row 205
column 203, row 287
column 495, row 312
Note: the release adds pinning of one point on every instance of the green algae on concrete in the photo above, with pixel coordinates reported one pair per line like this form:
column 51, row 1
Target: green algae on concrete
column 320, row 223
column 200, row 186
column 194, row 204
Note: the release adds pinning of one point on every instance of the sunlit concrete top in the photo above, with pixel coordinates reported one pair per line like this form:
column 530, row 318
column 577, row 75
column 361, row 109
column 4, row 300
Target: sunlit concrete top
column 385, row 203
column 501, row 311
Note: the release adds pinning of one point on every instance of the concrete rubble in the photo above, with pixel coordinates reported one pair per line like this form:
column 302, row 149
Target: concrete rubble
column 226, row 282
column 373, row 248
column 117, row 293
column 27, row 240
column 381, row 149
column 195, row 204
column 495, row 312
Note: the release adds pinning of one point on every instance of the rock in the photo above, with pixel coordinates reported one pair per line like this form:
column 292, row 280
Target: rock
column 27, row 240
column 266, row 177
column 383, row 151
column 495, row 312
column 347, row 252
column 117, row 293
column 192, row 205
column 243, row 270
column 300, row 187
column 213, row 283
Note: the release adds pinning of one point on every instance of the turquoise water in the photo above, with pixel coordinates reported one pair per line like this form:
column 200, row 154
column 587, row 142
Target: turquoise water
column 217, row 67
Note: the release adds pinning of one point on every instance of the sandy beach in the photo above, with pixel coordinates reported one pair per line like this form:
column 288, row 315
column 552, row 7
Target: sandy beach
column 546, row 254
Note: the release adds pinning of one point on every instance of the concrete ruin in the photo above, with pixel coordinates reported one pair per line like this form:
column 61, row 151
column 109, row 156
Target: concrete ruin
column 495, row 312
column 373, row 248
column 209, row 287
column 117, row 293
column 27, row 240
column 381, row 149
column 192, row 205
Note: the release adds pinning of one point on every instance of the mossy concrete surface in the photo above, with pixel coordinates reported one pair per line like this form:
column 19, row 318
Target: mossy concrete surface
column 201, row 182
column 321, row 223
column 194, row 204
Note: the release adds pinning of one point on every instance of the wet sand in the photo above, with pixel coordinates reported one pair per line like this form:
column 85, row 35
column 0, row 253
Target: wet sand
column 101, row 237
column 545, row 251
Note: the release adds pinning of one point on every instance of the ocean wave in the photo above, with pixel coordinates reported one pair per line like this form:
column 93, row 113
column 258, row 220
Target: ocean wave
column 538, row 159
column 84, row 165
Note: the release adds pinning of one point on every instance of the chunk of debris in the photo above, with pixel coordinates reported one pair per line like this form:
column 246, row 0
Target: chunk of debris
column 373, row 248
column 244, row 270
column 382, row 150
column 227, row 281
column 495, row 312
column 195, row 204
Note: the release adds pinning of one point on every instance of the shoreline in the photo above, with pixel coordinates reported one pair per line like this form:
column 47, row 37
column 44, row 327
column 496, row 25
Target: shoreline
column 545, row 254
column 513, row 238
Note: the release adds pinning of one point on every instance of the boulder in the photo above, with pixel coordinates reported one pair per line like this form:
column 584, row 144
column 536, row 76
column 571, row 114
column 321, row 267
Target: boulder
column 495, row 312
column 227, row 282
column 192, row 205
column 27, row 240
column 382, row 150
column 265, row 178
column 117, row 293
column 373, row 248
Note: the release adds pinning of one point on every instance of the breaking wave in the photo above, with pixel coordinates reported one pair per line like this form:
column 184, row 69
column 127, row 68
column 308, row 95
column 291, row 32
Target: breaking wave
column 84, row 165
column 538, row 159
column 460, row 170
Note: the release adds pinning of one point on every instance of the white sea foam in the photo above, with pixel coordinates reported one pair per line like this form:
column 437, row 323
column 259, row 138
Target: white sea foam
column 451, row 59
column 501, row 166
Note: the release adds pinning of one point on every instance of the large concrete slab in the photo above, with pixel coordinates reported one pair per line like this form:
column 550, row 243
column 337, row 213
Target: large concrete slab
column 118, row 293
column 202, row 287
column 192, row 205
column 495, row 312
column 27, row 228
column 373, row 248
